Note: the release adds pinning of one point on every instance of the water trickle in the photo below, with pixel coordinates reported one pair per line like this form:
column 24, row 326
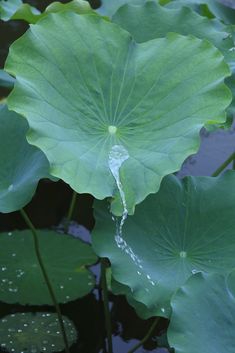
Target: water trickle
column 117, row 156
column 10, row 187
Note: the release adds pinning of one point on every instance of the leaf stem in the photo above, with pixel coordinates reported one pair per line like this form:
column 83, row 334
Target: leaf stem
column 46, row 278
column 71, row 211
column 230, row 159
column 146, row 337
column 108, row 324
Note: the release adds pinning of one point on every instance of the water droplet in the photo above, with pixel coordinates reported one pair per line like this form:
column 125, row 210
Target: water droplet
column 163, row 310
column 194, row 271
column 61, row 287
column 232, row 49
column 183, row 254
column 4, row 268
column 112, row 129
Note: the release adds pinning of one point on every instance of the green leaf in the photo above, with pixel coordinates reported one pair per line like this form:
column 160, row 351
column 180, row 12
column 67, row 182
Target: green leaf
column 34, row 333
column 151, row 21
column 64, row 257
column 210, row 8
column 17, row 10
column 91, row 88
column 188, row 226
column 6, row 80
column 203, row 315
column 109, row 7
column 21, row 165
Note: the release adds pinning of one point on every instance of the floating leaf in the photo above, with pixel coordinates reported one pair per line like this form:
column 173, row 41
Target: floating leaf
column 17, row 10
column 64, row 257
column 151, row 21
column 203, row 315
column 34, row 333
column 21, row 165
column 188, row 226
column 109, row 7
column 88, row 92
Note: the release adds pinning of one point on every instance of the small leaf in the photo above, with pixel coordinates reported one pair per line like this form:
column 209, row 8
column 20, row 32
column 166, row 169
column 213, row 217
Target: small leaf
column 210, row 8
column 88, row 92
column 203, row 315
column 34, row 333
column 187, row 227
column 64, row 258
column 17, row 10
column 21, row 165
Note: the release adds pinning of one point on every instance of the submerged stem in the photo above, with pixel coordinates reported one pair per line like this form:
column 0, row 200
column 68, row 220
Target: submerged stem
column 146, row 337
column 224, row 165
column 108, row 324
column 71, row 210
column 46, row 278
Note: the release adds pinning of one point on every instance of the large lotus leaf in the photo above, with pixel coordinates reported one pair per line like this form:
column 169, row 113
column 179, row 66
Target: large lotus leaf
column 151, row 21
column 17, row 10
column 203, row 315
column 64, row 257
column 6, row 80
column 188, row 226
column 109, row 7
column 90, row 88
column 21, row 165
column 210, row 8
column 34, row 333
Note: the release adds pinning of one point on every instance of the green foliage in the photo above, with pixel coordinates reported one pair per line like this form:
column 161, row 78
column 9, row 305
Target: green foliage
column 72, row 100
column 171, row 235
column 64, row 257
column 209, row 8
column 203, row 318
column 21, row 165
column 112, row 101
column 34, row 333
column 108, row 8
column 6, row 80
column 17, row 10
column 151, row 21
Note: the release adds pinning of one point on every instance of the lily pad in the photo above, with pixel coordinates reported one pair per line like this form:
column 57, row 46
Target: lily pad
column 21, row 165
column 151, row 21
column 65, row 258
column 84, row 97
column 187, row 227
column 203, row 315
column 34, row 333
